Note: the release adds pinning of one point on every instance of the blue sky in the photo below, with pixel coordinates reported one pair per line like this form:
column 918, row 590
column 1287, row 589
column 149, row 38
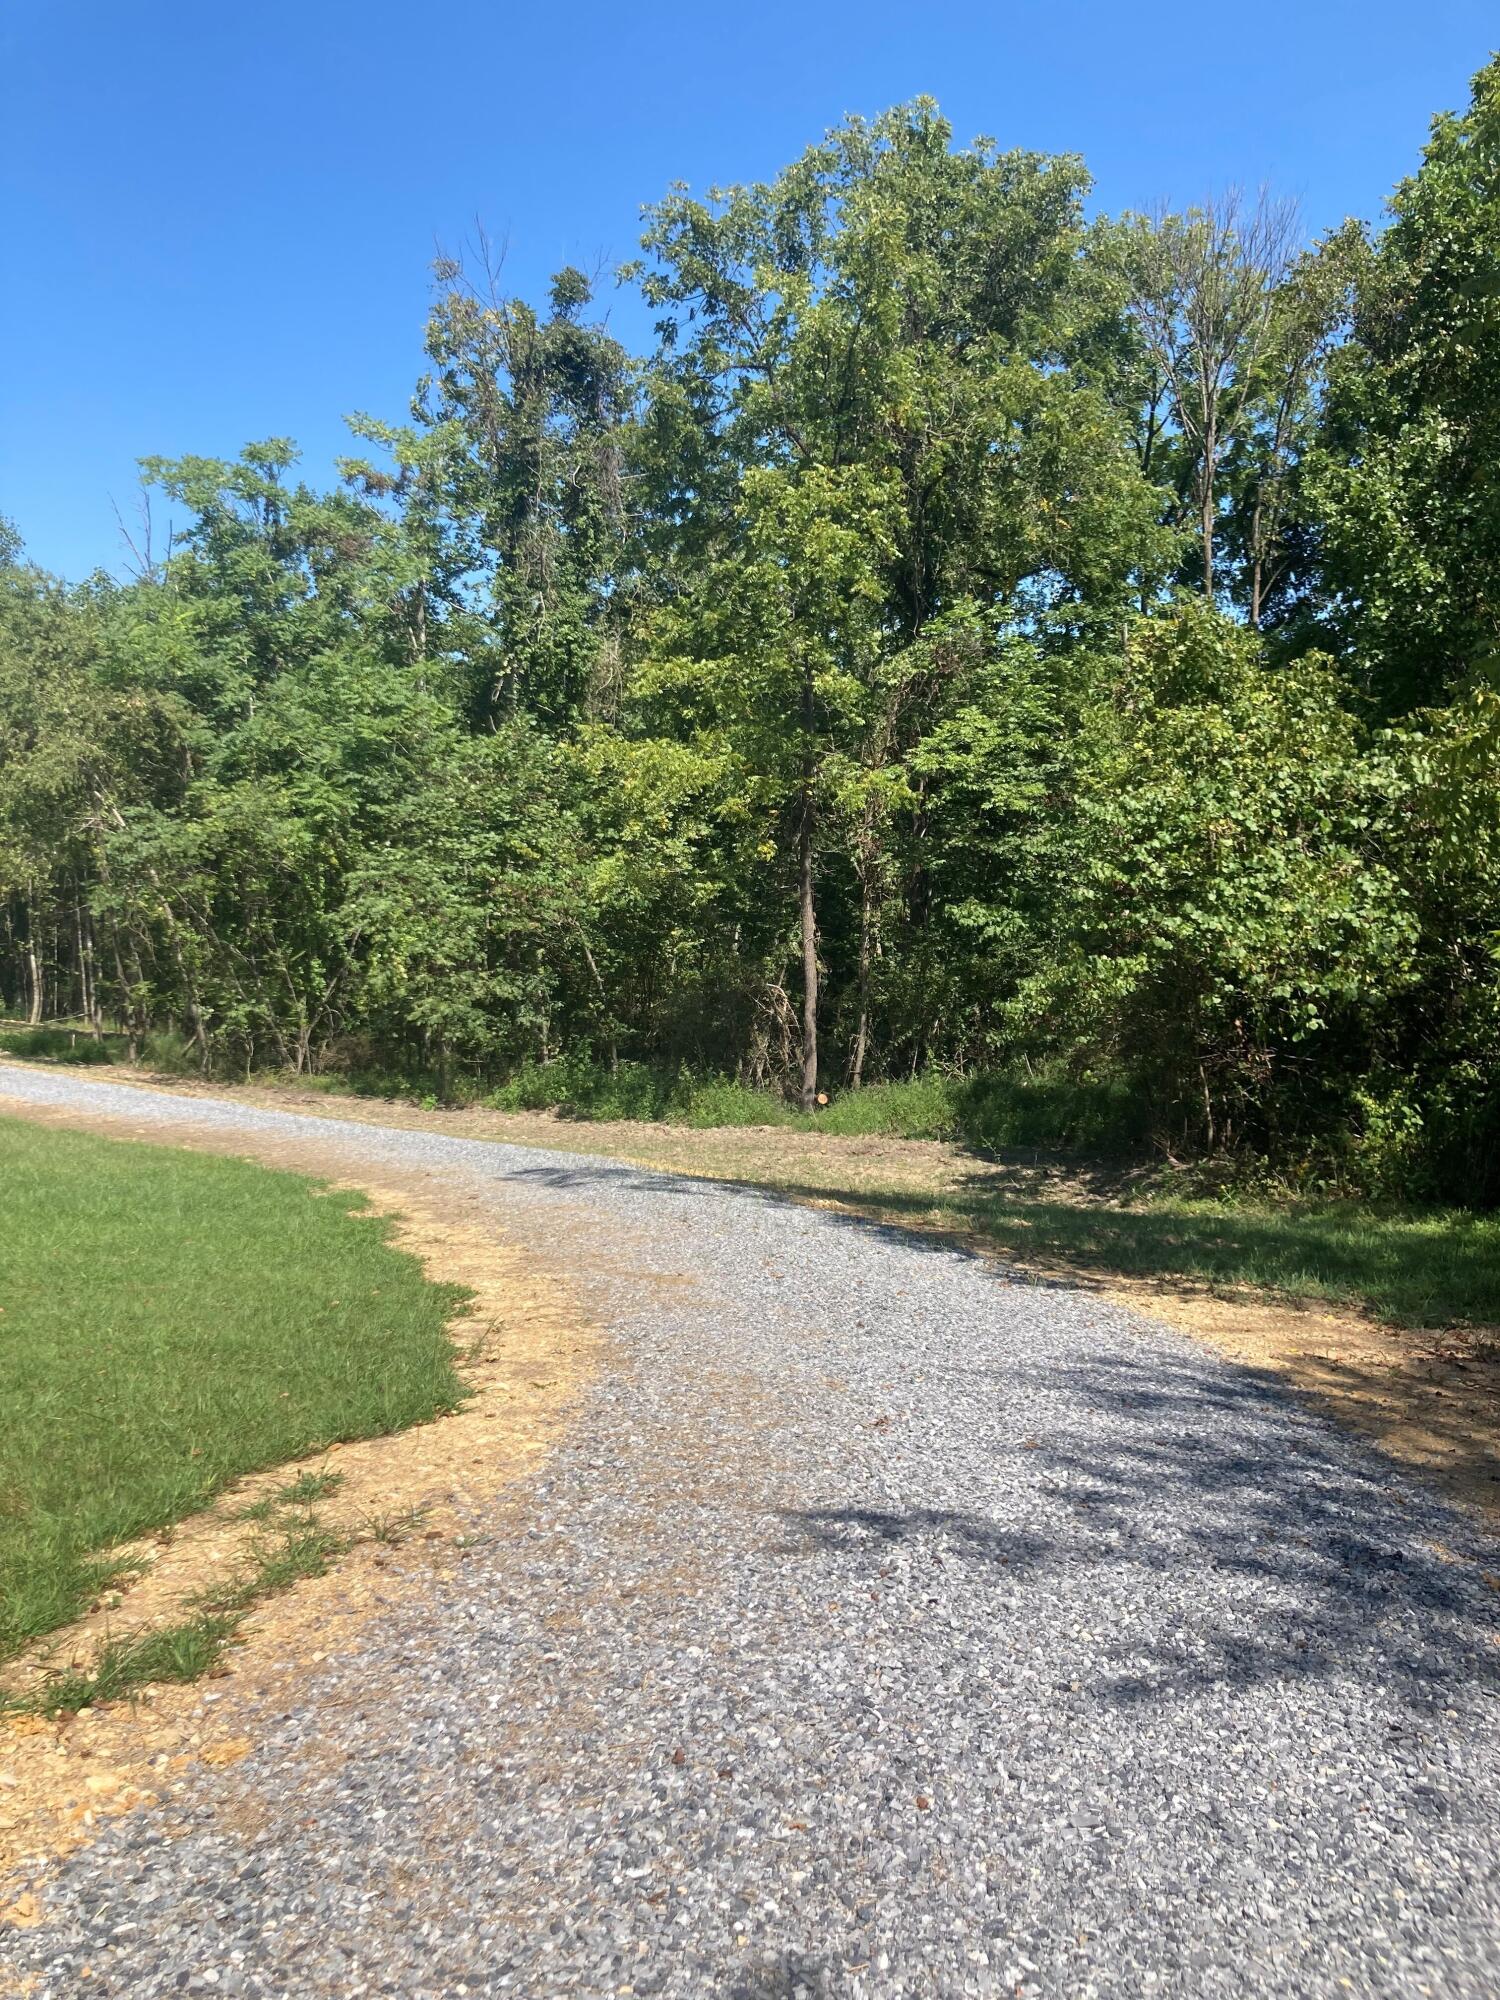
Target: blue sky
column 219, row 217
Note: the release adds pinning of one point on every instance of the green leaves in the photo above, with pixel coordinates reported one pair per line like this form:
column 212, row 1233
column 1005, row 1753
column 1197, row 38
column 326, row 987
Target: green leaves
column 824, row 671
column 1218, row 891
column 1407, row 480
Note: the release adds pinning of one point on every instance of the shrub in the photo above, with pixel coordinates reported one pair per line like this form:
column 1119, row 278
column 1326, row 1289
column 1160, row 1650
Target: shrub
column 64, row 1045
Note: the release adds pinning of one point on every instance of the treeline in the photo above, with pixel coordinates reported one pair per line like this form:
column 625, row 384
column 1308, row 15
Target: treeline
column 975, row 639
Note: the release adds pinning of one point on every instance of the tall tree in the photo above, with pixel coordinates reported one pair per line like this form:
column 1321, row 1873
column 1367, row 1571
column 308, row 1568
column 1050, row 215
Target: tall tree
column 532, row 410
column 1408, row 483
column 1203, row 289
column 894, row 307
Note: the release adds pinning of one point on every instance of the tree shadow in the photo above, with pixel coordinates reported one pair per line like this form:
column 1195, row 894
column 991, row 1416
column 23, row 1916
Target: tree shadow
column 1322, row 1559
column 1301, row 1562
column 1410, row 1266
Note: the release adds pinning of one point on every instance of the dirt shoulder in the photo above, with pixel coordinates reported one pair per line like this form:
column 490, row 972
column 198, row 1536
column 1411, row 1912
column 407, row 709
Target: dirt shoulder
column 1430, row 1397
column 412, row 1500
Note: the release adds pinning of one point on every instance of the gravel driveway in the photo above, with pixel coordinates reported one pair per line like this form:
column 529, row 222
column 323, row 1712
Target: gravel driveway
column 883, row 1625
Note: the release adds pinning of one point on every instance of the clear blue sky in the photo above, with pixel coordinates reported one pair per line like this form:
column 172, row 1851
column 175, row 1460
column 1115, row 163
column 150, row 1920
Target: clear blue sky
column 219, row 217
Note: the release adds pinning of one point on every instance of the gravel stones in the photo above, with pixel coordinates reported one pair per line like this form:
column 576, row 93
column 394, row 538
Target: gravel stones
column 882, row 1626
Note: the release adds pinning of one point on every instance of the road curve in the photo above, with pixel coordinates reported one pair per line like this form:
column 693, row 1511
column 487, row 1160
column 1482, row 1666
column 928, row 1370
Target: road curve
column 883, row 1625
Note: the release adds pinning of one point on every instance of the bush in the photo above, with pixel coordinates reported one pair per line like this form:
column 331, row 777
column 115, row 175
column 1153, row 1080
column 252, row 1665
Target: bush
column 926, row 1107
column 994, row 1112
column 579, row 1087
column 64, row 1045
column 1084, row 1114
column 173, row 1053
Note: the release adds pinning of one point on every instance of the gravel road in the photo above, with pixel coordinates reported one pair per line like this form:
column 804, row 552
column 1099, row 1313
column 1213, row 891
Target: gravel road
column 882, row 1626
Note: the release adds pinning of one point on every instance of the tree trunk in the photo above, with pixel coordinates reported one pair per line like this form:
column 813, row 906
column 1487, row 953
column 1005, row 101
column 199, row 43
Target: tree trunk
column 34, row 968
column 88, row 976
column 866, row 947
column 607, row 1018
column 127, row 1007
column 809, row 962
column 1257, row 563
column 808, row 907
column 188, row 990
column 1206, row 517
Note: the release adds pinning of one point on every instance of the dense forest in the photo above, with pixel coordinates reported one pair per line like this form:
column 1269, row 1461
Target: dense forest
column 981, row 639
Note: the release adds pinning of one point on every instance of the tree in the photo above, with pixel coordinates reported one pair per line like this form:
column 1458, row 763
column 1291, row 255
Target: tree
column 774, row 658
column 894, row 309
column 1221, row 910
column 1408, row 473
column 531, row 412
column 1265, row 462
column 1203, row 287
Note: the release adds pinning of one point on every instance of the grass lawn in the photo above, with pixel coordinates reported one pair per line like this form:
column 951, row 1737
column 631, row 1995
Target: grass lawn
column 168, row 1322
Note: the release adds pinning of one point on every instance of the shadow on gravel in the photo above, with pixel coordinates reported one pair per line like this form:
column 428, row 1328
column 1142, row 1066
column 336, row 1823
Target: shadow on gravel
column 792, row 1975
column 1254, row 1543
column 1319, row 1558
column 856, row 1530
column 1412, row 1267
column 1236, row 1542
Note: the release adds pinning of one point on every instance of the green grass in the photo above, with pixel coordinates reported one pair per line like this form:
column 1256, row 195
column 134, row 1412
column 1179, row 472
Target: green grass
column 172, row 1321
column 179, row 1652
column 994, row 1113
column 991, row 1112
column 309, row 1487
column 1409, row 1267
column 305, row 1549
column 578, row 1087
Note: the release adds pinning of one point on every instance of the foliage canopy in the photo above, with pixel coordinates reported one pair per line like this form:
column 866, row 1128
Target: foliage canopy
column 975, row 637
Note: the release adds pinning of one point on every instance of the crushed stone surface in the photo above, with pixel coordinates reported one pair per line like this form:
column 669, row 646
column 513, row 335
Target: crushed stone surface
column 883, row 1625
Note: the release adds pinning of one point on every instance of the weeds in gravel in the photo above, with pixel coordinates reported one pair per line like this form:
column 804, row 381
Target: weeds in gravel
column 194, row 1645
column 180, row 1652
column 392, row 1529
column 172, row 1321
column 309, row 1487
column 302, row 1551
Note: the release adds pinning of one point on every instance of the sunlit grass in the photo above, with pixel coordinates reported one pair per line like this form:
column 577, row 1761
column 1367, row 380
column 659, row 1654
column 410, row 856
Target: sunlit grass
column 1411, row 1267
column 169, row 1322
